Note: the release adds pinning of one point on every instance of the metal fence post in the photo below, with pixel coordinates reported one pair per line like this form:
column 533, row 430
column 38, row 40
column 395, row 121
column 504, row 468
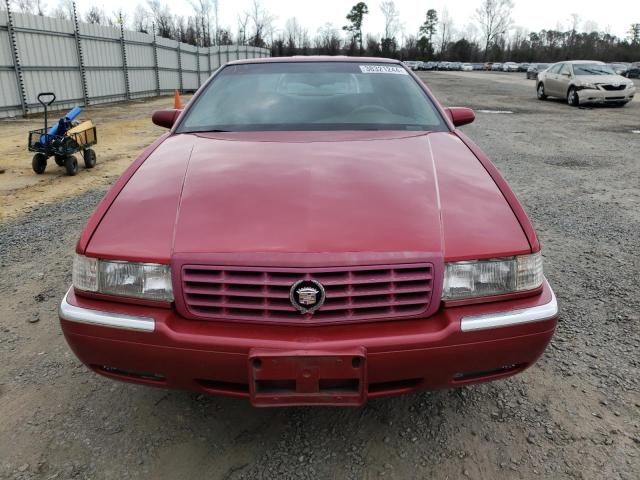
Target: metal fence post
column 209, row 58
column 155, row 60
column 180, row 67
column 16, row 60
column 198, row 63
column 125, row 67
column 219, row 56
column 83, row 73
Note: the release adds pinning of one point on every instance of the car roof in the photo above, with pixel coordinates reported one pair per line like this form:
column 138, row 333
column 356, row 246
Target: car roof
column 578, row 62
column 315, row 58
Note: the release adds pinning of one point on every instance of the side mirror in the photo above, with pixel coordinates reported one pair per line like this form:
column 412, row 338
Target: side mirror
column 460, row 115
column 165, row 118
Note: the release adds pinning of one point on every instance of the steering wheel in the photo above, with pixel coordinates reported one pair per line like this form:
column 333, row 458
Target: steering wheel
column 370, row 109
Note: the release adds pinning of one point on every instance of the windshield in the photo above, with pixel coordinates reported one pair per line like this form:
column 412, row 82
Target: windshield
column 592, row 69
column 312, row 96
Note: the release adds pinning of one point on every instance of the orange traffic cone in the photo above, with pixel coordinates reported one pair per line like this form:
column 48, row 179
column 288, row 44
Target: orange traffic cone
column 176, row 101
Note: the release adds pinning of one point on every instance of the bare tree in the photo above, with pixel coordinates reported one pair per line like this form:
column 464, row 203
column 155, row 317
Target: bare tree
column 243, row 23
column 180, row 28
column 470, row 32
column 216, row 18
column 64, row 10
column 224, row 36
column 142, row 20
column 446, row 29
column 262, row 22
column 574, row 22
column 34, row 7
column 574, row 25
column 295, row 35
column 202, row 9
column 391, row 15
column 634, row 34
column 494, row 17
column 162, row 18
column 590, row 26
column 118, row 17
column 40, row 7
column 94, row 15
column 328, row 42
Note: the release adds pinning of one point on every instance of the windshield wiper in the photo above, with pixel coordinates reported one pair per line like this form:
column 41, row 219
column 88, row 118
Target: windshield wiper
column 206, row 130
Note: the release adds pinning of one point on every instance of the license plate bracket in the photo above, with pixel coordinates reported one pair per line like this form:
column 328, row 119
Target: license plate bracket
column 307, row 377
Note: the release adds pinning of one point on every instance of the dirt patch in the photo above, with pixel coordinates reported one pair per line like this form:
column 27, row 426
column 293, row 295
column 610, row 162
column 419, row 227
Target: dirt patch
column 123, row 131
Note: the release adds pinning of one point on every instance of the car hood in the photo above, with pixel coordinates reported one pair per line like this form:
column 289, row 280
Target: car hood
column 602, row 79
column 309, row 192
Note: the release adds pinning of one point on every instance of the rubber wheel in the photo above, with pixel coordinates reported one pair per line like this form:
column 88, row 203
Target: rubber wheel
column 59, row 160
column 39, row 163
column 540, row 92
column 89, row 158
column 71, row 165
column 572, row 97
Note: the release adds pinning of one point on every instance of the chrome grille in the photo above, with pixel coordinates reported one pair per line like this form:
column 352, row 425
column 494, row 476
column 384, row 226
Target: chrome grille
column 358, row 293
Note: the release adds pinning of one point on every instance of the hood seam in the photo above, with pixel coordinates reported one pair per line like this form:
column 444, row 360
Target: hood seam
column 177, row 216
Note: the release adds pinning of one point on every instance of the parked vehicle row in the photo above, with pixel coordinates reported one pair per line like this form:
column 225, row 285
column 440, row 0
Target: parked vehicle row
column 416, row 65
column 531, row 70
column 629, row 70
column 634, row 70
column 534, row 69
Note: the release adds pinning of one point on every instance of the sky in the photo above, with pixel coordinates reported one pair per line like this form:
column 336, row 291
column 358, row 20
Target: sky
column 532, row 15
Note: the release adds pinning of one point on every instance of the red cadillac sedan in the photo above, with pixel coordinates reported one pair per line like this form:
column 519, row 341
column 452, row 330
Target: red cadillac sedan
column 310, row 231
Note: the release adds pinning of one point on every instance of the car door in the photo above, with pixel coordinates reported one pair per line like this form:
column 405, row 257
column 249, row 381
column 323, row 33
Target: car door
column 564, row 79
column 552, row 83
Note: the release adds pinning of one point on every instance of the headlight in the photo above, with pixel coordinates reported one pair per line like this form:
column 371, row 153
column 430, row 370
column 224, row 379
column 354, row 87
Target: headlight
column 150, row 281
column 588, row 85
column 496, row 276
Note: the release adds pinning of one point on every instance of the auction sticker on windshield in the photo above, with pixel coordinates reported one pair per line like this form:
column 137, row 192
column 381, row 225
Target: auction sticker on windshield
column 383, row 69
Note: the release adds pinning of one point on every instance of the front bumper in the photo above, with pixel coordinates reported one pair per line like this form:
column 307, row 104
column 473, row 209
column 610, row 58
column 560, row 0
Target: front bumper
column 457, row 345
column 589, row 95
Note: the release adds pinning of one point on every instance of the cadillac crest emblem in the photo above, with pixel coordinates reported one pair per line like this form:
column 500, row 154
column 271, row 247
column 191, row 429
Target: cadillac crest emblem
column 307, row 296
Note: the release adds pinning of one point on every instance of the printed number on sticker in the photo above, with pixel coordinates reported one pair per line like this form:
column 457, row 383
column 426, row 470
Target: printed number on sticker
column 383, row 69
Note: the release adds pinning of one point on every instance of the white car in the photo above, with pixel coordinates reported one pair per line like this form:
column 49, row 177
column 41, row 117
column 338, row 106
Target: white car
column 585, row 81
column 510, row 67
column 467, row 67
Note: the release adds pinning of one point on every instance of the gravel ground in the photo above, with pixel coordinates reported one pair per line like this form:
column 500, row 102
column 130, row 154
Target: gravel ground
column 574, row 415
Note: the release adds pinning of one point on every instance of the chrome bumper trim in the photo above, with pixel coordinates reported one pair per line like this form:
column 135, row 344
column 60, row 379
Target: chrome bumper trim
column 104, row 319
column 513, row 317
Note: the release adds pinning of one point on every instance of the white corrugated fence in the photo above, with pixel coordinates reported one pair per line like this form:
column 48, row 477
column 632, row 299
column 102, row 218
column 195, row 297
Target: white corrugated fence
column 89, row 64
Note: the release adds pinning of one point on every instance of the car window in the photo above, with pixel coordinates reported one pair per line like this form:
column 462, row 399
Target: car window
column 312, row 96
column 556, row 68
column 592, row 69
column 565, row 70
